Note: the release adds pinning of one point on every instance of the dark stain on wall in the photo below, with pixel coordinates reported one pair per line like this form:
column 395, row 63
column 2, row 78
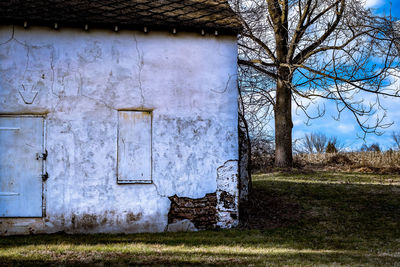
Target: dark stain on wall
column 131, row 217
column 88, row 221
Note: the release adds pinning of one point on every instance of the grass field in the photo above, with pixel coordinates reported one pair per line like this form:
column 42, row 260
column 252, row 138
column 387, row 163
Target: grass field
column 311, row 219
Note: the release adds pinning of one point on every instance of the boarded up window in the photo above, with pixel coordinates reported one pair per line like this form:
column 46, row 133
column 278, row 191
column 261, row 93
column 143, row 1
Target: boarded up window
column 21, row 144
column 134, row 147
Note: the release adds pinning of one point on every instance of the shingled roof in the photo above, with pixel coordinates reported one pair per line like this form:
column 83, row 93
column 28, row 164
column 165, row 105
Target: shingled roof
column 181, row 14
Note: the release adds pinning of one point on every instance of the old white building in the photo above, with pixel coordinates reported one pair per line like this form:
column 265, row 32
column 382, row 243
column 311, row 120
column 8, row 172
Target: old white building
column 117, row 116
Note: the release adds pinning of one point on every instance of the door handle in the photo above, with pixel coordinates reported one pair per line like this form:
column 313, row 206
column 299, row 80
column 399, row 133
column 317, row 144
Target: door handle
column 42, row 156
column 45, row 177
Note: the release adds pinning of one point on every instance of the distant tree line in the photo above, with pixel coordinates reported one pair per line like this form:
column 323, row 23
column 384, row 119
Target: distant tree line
column 396, row 139
column 317, row 142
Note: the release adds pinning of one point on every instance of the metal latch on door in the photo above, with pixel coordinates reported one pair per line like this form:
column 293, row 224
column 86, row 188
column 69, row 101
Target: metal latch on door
column 45, row 177
column 42, row 156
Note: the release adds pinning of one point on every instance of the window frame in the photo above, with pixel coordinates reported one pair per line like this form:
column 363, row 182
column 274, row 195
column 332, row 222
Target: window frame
column 120, row 180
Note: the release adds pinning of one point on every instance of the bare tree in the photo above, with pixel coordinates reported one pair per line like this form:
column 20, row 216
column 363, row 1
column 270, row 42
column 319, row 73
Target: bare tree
column 308, row 144
column 319, row 141
column 331, row 148
column 334, row 145
column 301, row 50
column 254, row 103
column 371, row 148
column 396, row 139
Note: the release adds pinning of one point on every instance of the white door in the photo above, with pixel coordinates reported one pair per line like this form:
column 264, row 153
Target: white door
column 21, row 161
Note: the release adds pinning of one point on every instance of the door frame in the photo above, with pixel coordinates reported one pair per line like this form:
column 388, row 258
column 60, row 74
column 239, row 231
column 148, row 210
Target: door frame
column 44, row 165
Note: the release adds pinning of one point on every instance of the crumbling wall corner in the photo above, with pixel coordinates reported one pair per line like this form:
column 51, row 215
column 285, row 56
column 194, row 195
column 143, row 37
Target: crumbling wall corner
column 228, row 195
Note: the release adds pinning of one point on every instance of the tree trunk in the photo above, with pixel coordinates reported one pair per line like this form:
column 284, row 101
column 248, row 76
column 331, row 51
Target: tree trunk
column 283, row 120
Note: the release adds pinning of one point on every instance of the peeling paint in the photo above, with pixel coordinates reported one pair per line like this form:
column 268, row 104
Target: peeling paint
column 227, row 200
column 82, row 79
column 228, row 194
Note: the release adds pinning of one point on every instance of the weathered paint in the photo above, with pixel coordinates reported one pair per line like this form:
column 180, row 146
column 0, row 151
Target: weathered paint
column 80, row 81
column 134, row 147
column 228, row 194
column 21, row 144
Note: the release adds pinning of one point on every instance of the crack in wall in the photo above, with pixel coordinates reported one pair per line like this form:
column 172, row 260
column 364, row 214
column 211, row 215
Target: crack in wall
column 99, row 101
column 11, row 38
column 71, row 84
column 223, row 165
column 226, row 85
column 157, row 191
column 29, row 49
column 27, row 61
column 53, row 72
column 140, row 65
column 53, row 79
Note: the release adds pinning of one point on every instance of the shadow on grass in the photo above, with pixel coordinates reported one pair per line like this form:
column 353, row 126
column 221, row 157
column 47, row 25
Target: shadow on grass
column 187, row 258
column 351, row 224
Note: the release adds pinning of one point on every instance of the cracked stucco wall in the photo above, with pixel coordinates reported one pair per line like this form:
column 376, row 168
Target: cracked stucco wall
column 80, row 80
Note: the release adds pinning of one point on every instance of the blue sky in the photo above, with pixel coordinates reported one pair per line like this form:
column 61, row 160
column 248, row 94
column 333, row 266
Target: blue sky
column 346, row 130
column 384, row 7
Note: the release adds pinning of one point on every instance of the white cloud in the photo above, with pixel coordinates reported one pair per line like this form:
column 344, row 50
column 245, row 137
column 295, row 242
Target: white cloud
column 346, row 128
column 373, row 3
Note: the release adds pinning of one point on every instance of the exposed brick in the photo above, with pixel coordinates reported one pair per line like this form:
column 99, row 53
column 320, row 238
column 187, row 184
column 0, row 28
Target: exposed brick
column 201, row 211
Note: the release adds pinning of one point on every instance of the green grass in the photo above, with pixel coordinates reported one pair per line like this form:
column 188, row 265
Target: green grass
column 345, row 219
